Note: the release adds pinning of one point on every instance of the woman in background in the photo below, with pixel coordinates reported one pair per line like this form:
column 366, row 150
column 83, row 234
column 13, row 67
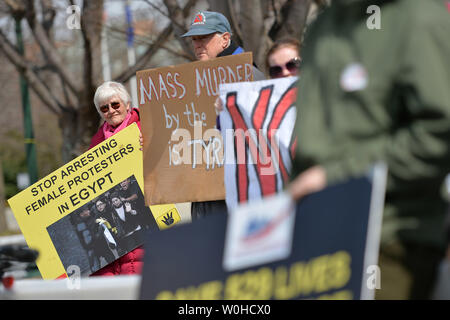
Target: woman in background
column 283, row 58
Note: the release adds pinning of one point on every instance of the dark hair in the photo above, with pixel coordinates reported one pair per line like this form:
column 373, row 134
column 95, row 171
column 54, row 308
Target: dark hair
column 282, row 43
column 114, row 194
column 102, row 198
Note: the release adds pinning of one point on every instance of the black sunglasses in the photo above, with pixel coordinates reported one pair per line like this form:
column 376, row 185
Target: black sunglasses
column 114, row 105
column 292, row 66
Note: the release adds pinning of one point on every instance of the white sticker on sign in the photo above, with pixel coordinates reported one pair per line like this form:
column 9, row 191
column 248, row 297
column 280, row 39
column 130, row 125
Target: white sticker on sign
column 259, row 232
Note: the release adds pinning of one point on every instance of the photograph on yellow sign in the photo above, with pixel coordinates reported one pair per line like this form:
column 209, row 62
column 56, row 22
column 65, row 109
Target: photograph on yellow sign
column 103, row 229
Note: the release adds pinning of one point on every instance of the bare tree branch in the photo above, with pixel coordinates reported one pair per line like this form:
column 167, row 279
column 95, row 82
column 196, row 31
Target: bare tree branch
column 152, row 49
column 16, row 7
column 25, row 68
column 47, row 47
column 146, row 56
column 226, row 8
column 294, row 15
column 219, row 6
column 155, row 7
column 234, row 22
column 176, row 15
column 176, row 53
column 48, row 16
column 91, row 29
column 252, row 24
column 54, row 77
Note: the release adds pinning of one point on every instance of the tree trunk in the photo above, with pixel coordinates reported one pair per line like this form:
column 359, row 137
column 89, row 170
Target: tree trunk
column 293, row 19
column 253, row 33
column 87, row 117
column 68, row 124
column 177, row 17
column 227, row 8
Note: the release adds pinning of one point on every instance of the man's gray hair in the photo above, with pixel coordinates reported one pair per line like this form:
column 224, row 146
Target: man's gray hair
column 109, row 89
column 229, row 40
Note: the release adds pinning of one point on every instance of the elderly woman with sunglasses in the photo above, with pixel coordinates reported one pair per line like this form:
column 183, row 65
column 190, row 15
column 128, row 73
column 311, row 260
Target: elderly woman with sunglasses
column 113, row 103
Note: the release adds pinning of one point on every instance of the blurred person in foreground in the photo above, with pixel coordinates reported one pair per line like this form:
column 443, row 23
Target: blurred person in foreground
column 210, row 33
column 113, row 103
column 381, row 94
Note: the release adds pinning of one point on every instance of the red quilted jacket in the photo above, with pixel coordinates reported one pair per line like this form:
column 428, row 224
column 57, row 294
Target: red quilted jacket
column 132, row 262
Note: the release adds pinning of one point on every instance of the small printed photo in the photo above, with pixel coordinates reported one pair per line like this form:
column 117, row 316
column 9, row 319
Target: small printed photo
column 103, row 229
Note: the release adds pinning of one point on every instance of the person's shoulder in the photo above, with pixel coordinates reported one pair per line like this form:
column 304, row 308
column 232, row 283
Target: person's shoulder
column 97, row 138
column 258, row 74
column 135, row 185
column 135, row 117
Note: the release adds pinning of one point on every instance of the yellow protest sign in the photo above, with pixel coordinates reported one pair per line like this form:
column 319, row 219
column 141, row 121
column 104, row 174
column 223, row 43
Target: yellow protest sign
column 90, row 211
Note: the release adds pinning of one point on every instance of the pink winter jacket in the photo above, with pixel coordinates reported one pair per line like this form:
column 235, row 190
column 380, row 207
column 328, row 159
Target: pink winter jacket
column 132, row 262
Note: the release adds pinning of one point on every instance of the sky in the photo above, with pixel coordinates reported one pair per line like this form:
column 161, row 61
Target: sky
column 114, row 9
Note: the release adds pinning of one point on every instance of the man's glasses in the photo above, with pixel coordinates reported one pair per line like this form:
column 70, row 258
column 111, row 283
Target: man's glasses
column 292, row 66
column 114, row 105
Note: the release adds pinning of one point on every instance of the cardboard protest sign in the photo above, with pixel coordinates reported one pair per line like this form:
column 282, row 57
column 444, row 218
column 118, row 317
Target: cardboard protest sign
column 91, row 211
column 257, row 126
column 183, row 150
column 332, row 252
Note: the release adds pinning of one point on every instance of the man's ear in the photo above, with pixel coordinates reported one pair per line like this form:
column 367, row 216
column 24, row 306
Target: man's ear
column 226, row 39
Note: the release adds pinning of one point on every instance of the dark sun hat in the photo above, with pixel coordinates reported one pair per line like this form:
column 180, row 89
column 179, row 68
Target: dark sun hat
column 207, row 22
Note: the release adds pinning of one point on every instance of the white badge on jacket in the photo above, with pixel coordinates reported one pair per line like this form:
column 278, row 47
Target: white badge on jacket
column 354, row 77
